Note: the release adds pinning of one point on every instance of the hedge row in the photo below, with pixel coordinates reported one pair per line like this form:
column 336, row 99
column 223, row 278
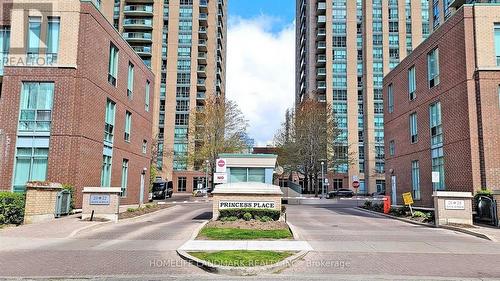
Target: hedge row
column 274, row 214
column 11, row 208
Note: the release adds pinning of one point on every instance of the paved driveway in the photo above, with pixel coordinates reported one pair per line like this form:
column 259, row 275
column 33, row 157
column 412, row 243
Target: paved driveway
column 350, row 241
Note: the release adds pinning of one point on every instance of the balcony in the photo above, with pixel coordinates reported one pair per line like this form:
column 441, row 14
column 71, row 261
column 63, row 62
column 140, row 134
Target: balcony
column 200, row 95
column 201, row 71
column 321, row 33
column 138, row 10
column 202, row 58
column 138, row 24
column 202, row 45
column 202, row 32
column 320, row 73
column 321, row 8
column 203, row 6
column 321, row 86
column 321, row 47
column 140, row 37
column 321, row 21
column 203, row 19
column 200, row 84
column 142, row 50
column 320, row 59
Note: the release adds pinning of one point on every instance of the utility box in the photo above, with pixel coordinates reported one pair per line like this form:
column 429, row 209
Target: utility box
column 41, row 200
column 63, row 203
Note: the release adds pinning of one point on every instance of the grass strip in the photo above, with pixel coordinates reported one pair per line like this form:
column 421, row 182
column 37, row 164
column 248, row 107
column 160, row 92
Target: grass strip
column 216, row 233
column 242, row 258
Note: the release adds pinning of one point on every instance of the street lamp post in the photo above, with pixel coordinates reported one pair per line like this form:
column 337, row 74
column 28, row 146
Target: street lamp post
column 322, row 181
column 206, row 177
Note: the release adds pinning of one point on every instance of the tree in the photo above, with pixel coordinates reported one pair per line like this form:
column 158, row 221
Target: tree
column 220, row 127
column 308, row 137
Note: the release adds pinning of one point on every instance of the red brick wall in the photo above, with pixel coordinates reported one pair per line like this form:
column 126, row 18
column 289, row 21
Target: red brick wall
column 455, row 87
column 76, row 142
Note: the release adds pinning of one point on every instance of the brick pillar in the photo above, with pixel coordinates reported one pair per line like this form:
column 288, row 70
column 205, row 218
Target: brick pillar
column 40, row 201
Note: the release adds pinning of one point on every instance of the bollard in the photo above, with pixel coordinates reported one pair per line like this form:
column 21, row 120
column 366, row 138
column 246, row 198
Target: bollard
column 387, row 204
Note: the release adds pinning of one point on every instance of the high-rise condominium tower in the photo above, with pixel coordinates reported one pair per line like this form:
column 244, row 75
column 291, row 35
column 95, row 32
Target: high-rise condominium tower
column 343, row 50
column 184, row 43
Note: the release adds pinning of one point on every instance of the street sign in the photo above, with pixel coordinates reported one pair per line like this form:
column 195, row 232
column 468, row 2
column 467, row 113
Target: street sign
column 407, row 198
column 435, row 176
column 355, row 184
column 220, row 165
column 220, row 178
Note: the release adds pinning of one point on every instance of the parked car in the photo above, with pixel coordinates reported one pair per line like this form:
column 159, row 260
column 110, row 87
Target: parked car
column 162, row 189
column 341, row 192
column 378, row 195
column 200, row 192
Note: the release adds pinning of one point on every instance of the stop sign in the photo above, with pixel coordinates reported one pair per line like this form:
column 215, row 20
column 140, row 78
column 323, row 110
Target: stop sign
column 221, row 163
column 355, row 184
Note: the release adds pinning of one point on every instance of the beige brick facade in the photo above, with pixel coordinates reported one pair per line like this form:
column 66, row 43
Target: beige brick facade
column 40, row 202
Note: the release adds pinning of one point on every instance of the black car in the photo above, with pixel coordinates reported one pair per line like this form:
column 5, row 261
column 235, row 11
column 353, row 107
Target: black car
column 341, row 192
column 162, row 189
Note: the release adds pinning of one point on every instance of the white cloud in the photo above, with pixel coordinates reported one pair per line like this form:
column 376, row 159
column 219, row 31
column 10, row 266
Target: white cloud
column 260, row 72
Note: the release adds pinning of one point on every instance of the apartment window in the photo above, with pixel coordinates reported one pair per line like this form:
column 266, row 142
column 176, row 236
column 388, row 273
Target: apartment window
column 412, row 83
column 53, row 39
column 435, row 124
column 36, row 107
column 497, row 43
column 181, row 119
column 128, row 124
column 4, row 46
column 144, row 146
column 433, row 67
column 34, row 28
column 106, row 171
column 390, row 98
column 181, row 184
column 413, row 128
column 438, row 167
column 109, row 121
column 124, row 178
column 130, row 83
column 415, row 179
column 31, row 165
column 113, row 65
column 146, row 97
column 391, row 148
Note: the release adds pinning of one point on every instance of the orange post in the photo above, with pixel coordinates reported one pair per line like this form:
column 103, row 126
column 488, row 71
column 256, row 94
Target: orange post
column 387, row 204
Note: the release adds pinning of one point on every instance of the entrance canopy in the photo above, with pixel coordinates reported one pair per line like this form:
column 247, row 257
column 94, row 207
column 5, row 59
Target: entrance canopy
column 247, row 188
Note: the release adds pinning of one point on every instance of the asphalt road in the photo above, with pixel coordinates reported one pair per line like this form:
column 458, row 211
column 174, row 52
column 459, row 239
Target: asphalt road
column 349, row 245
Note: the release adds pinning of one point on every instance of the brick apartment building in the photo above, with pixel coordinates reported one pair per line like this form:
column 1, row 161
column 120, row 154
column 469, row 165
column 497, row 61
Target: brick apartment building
column 76, row 100
column 442, row 109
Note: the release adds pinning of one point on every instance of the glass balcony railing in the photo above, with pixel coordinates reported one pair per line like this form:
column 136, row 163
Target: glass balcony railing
column 138, row 9
column 138, row 22
column 137, row 36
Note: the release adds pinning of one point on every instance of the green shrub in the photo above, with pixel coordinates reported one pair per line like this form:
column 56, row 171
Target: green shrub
column 419, row 214
column 131, row 210
column 378, row 207
column 247, row 216
column 368, row 204
column 397, row 211
column 223, row 218
column 238, row 213
column 11, row 208
column 265, row 219
column 71, row 190
column 232, row 218
column 257, row 218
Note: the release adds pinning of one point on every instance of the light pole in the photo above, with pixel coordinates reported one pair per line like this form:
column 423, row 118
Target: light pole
column 322, row 181
column 206, row 177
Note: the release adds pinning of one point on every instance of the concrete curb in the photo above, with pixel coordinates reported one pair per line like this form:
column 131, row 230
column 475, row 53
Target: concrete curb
column 241, row 271
column 293, row 230
column 448, row 227
column 76, row 231
column 197, row 231
column 469, row 231
column 148, row 214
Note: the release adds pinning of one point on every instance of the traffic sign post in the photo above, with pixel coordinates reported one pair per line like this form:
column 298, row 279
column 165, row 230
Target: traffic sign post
column 408, row 200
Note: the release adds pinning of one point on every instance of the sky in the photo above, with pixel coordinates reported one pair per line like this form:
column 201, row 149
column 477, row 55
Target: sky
column 260, row 62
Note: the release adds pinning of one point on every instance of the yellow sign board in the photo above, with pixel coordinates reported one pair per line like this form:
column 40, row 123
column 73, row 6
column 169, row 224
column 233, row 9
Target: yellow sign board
column 408, row 199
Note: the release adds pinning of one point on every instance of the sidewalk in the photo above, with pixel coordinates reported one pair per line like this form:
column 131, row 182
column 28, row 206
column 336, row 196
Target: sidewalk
column 58, row 228
column 491, row 233
column 220, row 245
